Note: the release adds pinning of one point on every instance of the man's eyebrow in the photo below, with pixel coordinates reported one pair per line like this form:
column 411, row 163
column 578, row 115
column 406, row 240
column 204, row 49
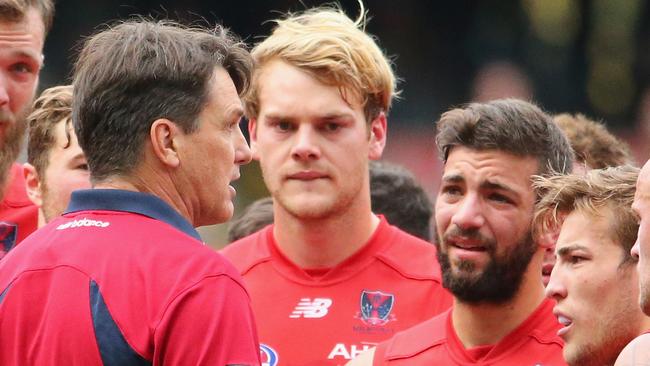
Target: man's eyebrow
column 276, row 117
column 497, row 186
column 453, row 178
column 79, row 156
column 38, row 58
column 336, row 115
column 568, row 249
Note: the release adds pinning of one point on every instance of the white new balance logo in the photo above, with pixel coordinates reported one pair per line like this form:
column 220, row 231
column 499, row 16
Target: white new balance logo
column 311, row 309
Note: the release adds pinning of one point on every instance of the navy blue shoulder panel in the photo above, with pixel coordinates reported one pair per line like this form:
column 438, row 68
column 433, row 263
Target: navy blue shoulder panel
column 4, row 292
column 114, row 349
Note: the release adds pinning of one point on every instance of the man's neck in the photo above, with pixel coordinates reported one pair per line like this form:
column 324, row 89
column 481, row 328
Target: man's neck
column 326, row 242
column 487, row 324
column 142, row 182
column 644, row 324
column 5, row 178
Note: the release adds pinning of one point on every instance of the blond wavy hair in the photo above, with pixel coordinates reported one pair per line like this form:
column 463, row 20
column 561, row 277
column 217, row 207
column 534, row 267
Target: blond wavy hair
column 52, row 107
column 612, row 188
column 335, row 50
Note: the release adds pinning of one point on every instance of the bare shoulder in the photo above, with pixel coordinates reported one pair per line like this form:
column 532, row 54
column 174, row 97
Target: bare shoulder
column 364, row 359
column 636, row 353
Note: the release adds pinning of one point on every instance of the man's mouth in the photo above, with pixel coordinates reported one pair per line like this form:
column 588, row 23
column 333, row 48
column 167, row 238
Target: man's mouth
column 467, row 244
column 306, row 175
column 566, row 323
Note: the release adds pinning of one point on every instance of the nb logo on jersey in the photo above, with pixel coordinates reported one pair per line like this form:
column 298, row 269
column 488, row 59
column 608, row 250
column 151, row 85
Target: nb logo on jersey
column 308, row 308
column 81, row 223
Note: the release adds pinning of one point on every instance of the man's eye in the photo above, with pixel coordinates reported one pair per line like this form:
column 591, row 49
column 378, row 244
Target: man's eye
column 451, row 190
column 22, row 68
column 83, row 166
column 575, row 259
column 331, row 126
column 500, row 198
column 283, row 126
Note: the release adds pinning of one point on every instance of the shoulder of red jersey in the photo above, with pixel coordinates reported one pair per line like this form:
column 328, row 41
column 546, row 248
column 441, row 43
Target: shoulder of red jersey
column 417, row 339
column 249, row 251
column 544, row 325
column 16, row 194
column 411, row 256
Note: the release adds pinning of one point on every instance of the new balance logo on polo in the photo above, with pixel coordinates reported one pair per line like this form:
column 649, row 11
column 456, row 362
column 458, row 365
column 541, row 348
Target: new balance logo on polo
column 82, row 223
column 308, row 308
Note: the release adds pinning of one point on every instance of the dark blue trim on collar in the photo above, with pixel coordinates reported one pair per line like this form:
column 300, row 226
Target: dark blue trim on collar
column 130, row 201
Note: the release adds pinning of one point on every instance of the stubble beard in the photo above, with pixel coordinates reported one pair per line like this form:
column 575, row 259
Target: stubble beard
column 644, row 292
column 604, row 346
column 334, row 206
column 48, row 207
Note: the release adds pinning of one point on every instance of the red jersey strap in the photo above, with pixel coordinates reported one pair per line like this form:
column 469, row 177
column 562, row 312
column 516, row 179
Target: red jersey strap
column 420, row 266
column 379, row 240
column 245, row 258
column 418, row 338
column 540, row 325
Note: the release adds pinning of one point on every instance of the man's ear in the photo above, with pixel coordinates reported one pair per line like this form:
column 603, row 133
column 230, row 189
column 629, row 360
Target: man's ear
column 378, row 131
column 252, row 132
column 166, row 138
column 33, row 184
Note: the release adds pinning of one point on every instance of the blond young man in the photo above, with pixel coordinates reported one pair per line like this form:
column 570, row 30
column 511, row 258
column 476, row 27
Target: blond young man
column 594, row 282
column 329, row 278
column 55, row 166
column 594, row 147
column 23, row 27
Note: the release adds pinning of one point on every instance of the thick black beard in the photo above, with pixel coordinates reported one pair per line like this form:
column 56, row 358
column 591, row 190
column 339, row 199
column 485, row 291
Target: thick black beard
column 500, row 280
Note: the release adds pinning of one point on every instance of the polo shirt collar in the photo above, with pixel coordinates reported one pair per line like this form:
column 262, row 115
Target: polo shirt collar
column 130, row 201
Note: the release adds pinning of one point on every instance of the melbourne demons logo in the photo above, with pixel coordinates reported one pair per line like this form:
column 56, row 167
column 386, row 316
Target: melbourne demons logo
column 268, row 355
column 376, row 307
column 8, row 233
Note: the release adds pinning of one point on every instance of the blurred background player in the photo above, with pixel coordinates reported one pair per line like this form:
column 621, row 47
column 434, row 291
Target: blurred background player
column 394, row 193
column 490, row 260
column 55, row 166
column 123, row 277
column 23, row 27
column 594, row 281
column 594, row 147
column 329, row 278
column 253, row 218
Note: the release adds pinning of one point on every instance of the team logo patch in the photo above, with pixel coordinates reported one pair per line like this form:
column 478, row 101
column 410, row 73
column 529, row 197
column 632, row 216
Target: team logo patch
column 376, row 307
column 8, row 234
column 268, row 355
